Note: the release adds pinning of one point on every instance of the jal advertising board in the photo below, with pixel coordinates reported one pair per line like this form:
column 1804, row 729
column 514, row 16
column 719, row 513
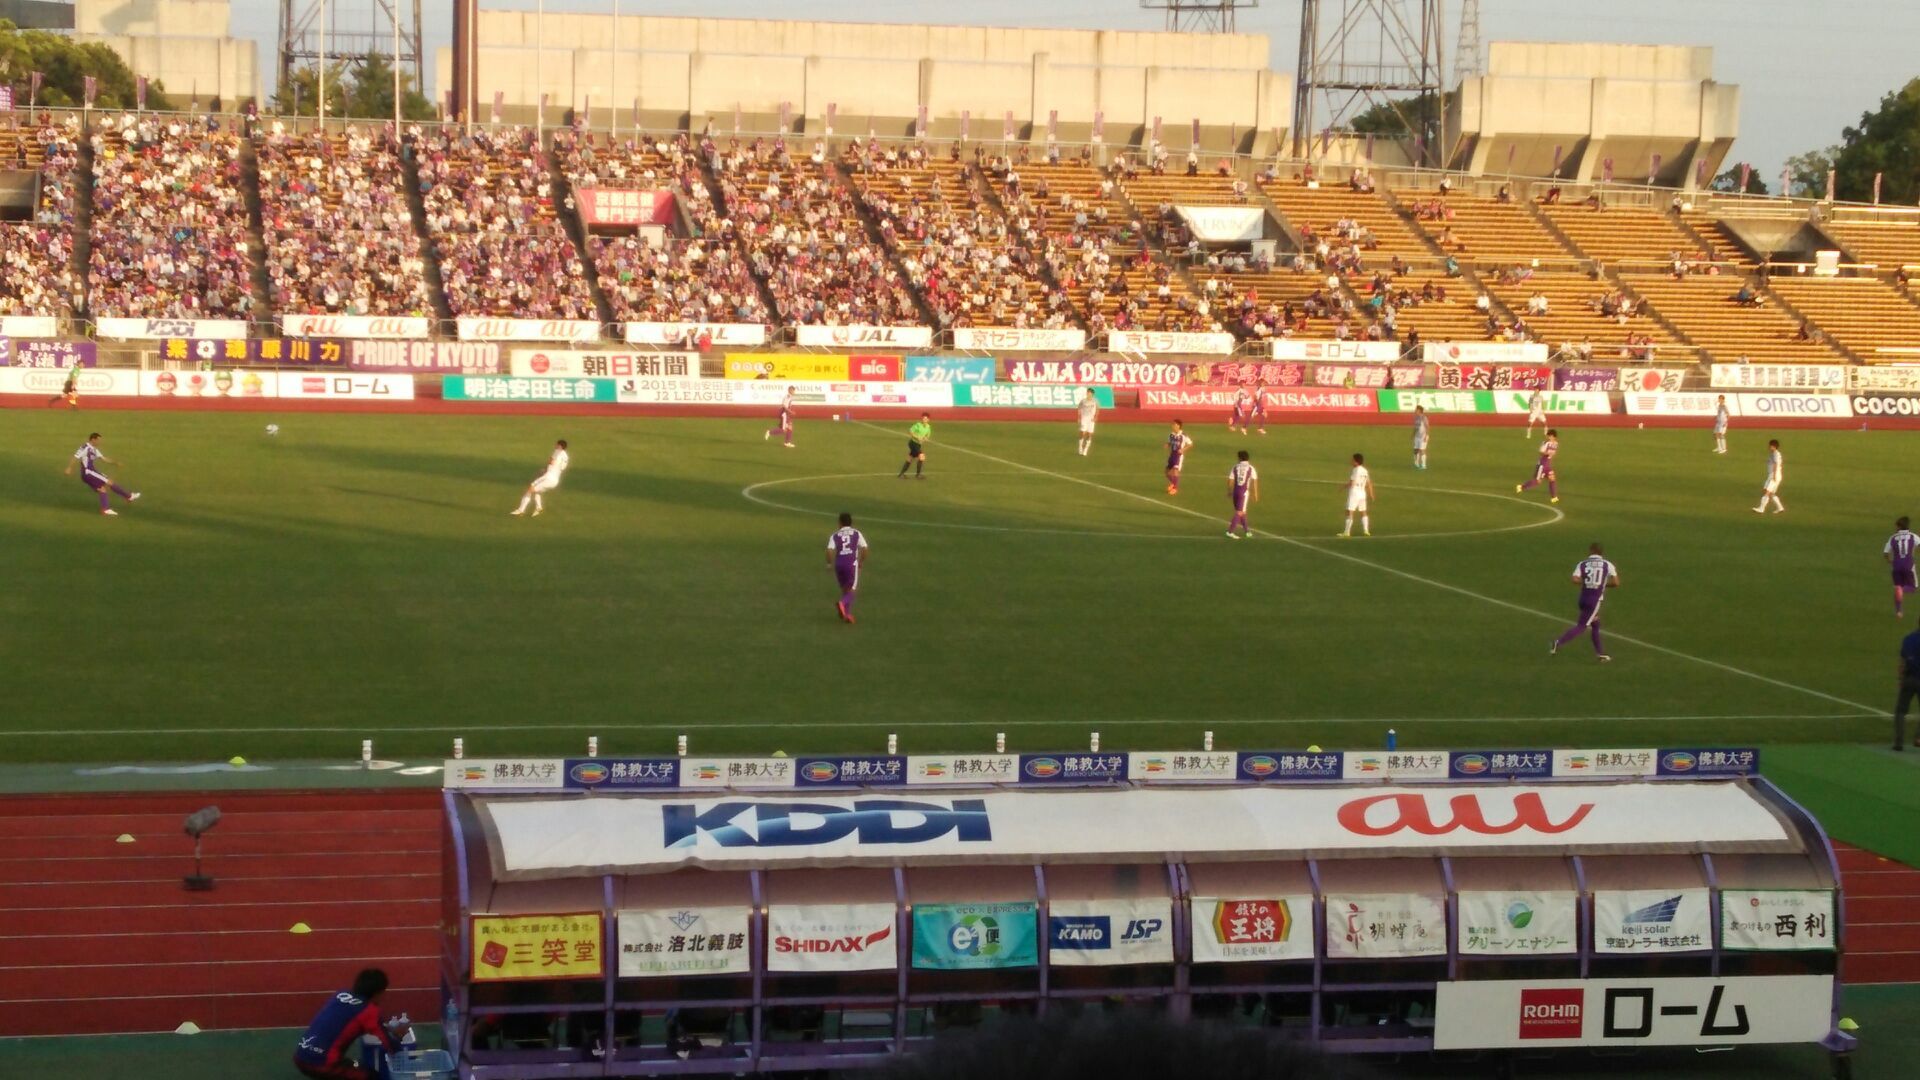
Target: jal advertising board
column 1128, row 373
column 1371, row 352
column 1109, row 933
column 1630, row 1013
column 1385, row 925
column 832, row 937
column 976, row 937
column 1009, row 339
column 1168, row 341
column 492, row 329
column 1516, row 924
column 683, row 941
column 603, row 364
column 1243, row 929
column 682, row 334
column 1777, row 920
column 425, row 357
column 864, row 337
column 1652, row 921
column 347, row 387
column 355, row 326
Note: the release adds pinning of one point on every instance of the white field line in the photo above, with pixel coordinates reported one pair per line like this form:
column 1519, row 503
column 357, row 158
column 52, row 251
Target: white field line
column 1430, row 582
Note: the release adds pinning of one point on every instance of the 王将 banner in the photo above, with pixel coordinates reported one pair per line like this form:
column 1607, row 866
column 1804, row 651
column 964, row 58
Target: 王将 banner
column 1248, row 373
column 976, row 937
column 159, row 329
column 1168, row 341
column 508, row 948
column 509, row 388
column 355, row 326
column 48, row 354
column 1777, row 920
column 603, row 364
column 1097, row 372
column 1796, row 406
column 949, row 369
column 1369, row 376
column 1436, row 401
column 623, row 206
column 1518, row 923
column 265, row 352
column 492, row 329
column 1652, row 921
column 832, row 937
column 1108, row 933
column 425, row 357
column 1371, row 352
column 1780, row 377
column 211, row 385
column 1631, row 1013
column 1238, row 929
column 1662, row 403
column 342, row 386
column 1028, row 395
column 29, row 326
column 1586, row 378
column 864, row 337
column 1582, row 402
column 1390, row 924
column 1648, row 380
column 1009, row 339
column 683, row 941
column 685, row 334
column 94, row 381
column 1484, row 352
column 788, row 367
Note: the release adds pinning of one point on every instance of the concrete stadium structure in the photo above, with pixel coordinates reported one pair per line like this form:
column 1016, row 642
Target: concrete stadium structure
column 188, row 45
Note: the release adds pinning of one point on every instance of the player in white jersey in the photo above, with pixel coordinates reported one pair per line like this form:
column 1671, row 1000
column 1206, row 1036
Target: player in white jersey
column 1089, row 415
column 1776, row 471
column 1359, row 495
column 1420, row 423
column 1720, row 418
column 1536, row 411
column 545, row 482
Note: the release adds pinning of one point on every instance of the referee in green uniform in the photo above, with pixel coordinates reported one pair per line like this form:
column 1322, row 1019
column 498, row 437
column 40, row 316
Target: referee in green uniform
column 918, row 436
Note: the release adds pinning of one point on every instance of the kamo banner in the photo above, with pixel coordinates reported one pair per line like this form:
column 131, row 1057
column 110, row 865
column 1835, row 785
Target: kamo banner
column 1107, row 933
column 788, row 367
column 831, row 937
column 1393, row 924
column 683, row 941
column 1777, row 920
column 975, row 937
column 1231, row 929
column 1652, row 921
column 1518, row 923
column 509, row 948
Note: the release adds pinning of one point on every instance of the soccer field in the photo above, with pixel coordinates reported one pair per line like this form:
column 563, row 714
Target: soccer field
column 358, row 576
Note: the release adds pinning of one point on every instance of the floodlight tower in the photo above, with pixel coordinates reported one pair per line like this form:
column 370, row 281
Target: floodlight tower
column 1200, row 16
column 1357, row 54
column 314, row 30
column 1466, row 49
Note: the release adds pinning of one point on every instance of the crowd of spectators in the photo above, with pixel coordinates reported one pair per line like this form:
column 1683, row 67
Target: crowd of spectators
column 36, row 257
column 169, row 236
column 489, row 201
column 339, row 234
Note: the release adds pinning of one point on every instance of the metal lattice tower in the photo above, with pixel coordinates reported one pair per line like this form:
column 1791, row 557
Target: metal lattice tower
column 1355, row 54
column 1466, row 51
column 1200, row 16
column 311, row 29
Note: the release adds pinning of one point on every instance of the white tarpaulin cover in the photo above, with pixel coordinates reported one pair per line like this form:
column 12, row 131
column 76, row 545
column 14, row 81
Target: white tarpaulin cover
column 1224, row 224
column 546, row 837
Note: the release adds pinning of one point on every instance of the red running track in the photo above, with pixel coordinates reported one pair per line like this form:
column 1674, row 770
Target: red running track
column 1882, row 907
column 98, row 936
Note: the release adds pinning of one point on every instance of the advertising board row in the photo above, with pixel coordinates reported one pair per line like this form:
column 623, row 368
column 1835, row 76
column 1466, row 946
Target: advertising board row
column 212, row 385
column 852, row 937
column 1137, row 767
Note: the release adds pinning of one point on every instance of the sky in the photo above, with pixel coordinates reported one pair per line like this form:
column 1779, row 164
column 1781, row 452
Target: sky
column 1805, row 70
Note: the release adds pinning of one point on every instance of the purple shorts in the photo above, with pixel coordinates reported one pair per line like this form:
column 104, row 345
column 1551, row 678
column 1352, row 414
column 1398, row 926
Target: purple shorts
column 93, row 480
column 1240, row 501
column 847, row 575
column 1174, row 460
column 1904, row 577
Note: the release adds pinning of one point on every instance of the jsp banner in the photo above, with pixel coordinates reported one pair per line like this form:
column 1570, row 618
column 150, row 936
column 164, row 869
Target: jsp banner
column 1589, row 402
column 1107, row 933
column 1437, row 401
column 1652, row 921
column 1238, row 929
column 683, row 941
column 974, row 937
column 1776, row 920
column 832, row 937
column 1624, row 1013
column 1517, row 923
column 507, row 948
column 1394, row 924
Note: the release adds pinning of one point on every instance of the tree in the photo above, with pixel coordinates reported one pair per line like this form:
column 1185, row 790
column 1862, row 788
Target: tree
column 1887, row 141
column 1730, row 180
column 360, row 88
column 64, row 65
column 1390, row 117
column 1807, row 173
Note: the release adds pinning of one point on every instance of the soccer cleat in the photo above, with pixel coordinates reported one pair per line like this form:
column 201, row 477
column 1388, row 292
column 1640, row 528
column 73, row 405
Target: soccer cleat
column 787, row 445
column 1782, row 510
column 1366, row 532
column 537, row 512
column 1518, row 488
column 516, row 513
column 1554, row 499
column 111, row 513
column 841, row 607
column 1604, row 658
column 1757, row 509
column 133, row 496
column 1553, row 647
column 1171, row 490
column 766, row 436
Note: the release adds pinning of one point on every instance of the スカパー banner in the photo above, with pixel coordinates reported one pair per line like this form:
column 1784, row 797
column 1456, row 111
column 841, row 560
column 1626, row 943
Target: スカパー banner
column 1240, row 929
column 945, row 369
column 1518, row 923
column 508, row 948
column 1108, row 933
column 1777, row 920
column 832, row 937
column 975, row 937
column 683, row 941
column 1392, row 924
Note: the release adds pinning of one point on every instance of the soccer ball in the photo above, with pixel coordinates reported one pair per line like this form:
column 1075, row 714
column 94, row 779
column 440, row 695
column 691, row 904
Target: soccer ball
column 273, row 429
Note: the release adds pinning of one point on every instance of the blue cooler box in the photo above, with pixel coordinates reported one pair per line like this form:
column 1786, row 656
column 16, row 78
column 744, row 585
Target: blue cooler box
column 420, row 1065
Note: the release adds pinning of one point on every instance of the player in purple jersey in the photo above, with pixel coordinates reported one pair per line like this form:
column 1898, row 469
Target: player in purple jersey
column 1243, row 487
column 1177, row 446
column 785, row 429
column 1595, row 575
column 846, row 553
column 1242, row 409
column 1544, row 470
column 90, row 456
column 1899, row 554
column 1260, row 408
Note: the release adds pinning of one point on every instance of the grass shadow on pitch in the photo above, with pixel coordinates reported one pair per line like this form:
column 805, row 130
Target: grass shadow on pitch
column 395, row 496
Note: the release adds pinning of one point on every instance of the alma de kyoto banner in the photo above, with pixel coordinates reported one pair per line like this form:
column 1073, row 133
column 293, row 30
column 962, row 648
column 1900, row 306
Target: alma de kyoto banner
column 832, row 937
column 536, row 838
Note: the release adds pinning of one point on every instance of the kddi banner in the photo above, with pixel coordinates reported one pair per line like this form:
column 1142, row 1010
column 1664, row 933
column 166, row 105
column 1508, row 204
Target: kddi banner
column 832, row 937
column 683, row 941
column 1105, row 933
column 604, row 363
column 1624, row 1013
column 1589, row 402
column 540, row 838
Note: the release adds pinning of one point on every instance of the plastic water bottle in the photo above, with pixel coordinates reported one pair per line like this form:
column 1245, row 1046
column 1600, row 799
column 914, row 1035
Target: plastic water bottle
column 410, row 1040
column 1393, row 738
column 450, row 1027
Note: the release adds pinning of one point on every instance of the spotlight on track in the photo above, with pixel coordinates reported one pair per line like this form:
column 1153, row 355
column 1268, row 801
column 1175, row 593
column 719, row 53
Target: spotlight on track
column 197, row 825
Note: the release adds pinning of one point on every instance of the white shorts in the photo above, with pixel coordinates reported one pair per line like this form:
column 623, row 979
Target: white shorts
column 1086, row 427
column 1536, row 418
column 1770, row 489
column 544, row 483
column 1356, row 502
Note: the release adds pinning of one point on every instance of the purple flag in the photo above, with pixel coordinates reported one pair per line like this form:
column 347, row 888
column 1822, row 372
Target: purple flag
column 786, row 117
column 499, row 99
column 966, row 123
column 1746, row 177
column 1700, row 173
column 1099, row 125
column 833, row 110
column 1196, row 132
column 1326, row 137
column 1556, row 159
column 1053, row 123
column 1606, row 169
column 90, row 85
column 1655, row 170
column 140, row 93
column 1156, row 129
column 1832, row 176
column 920, row 125
column 1876, row 189
column 1006, row 131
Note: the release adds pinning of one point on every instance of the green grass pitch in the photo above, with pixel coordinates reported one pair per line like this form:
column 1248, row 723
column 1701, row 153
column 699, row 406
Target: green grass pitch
column 358, row 576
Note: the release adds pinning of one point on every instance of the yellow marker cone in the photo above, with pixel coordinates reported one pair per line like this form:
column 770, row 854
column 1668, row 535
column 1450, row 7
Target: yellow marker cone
column 236, row 760
column 1313, row 749
column 187, row 1027
column 1847, row 1024
column 299, row 928
column 779, row 753
column 123, row 838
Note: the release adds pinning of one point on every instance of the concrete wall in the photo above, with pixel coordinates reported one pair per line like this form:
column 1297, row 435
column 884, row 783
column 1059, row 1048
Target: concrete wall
column 186, row 44
column 1543, row 59
column 151, row 18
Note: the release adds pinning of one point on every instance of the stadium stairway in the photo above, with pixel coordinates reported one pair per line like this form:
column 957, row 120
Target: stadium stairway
column 99, row 936
column 256, row 229
column 429, row 255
